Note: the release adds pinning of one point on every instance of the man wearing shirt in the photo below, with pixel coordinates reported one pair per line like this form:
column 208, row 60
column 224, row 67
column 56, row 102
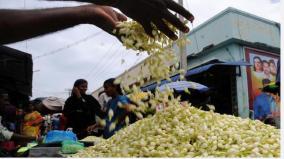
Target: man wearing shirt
column 261, row 106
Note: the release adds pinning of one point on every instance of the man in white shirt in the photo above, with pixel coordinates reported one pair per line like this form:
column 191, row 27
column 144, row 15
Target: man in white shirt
column 5, row 134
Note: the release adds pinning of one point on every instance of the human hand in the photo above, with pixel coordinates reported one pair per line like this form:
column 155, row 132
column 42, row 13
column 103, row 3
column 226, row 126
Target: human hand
column 39, row 139
column 130, row 107
column 104, row 17
column 91, row 128
column 151, row 11
column 276, row 97
column 76, row 92
column 146, row 12
column 155, row 11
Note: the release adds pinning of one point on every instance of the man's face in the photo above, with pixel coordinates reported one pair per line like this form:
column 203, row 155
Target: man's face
column 257, row 65
column 109, row 90
column 266, row 68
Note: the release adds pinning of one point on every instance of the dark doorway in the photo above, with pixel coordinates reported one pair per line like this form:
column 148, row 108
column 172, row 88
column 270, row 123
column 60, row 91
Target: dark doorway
column 222, row 82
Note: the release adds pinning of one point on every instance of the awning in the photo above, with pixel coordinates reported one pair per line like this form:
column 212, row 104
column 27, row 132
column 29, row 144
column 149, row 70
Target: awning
column 182, row 85
column 199, row 69
column 208, row 66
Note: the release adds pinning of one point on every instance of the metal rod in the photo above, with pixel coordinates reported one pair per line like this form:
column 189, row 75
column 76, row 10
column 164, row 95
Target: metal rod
column 182, row 49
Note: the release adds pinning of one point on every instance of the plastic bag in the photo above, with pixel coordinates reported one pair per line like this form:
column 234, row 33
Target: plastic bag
column 71, row 147
column 28, row 147
column 59, row 136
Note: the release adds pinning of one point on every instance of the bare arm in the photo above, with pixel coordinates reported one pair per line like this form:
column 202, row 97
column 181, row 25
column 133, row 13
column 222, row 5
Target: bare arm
column 99, row 2
column 17, row 25
column 23, row 138
column 148, row 12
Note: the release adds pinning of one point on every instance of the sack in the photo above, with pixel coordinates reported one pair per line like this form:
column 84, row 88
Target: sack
column 59, row 136
column 71, row 147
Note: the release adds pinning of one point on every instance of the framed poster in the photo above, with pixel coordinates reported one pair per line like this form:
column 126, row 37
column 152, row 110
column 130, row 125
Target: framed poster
column 262, row 72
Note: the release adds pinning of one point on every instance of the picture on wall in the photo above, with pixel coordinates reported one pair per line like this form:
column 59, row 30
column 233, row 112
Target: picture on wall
column 262, row 73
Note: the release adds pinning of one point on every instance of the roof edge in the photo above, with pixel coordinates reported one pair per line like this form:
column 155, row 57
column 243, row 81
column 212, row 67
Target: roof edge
column 255, row 45
column 232, row 10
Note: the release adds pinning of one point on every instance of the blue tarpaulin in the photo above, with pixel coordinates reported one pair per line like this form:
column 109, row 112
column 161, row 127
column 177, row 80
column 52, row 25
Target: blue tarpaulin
column 207, row 67
column 195, row 71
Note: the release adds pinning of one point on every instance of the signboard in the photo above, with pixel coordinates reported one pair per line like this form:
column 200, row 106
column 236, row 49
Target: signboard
column 262, row 72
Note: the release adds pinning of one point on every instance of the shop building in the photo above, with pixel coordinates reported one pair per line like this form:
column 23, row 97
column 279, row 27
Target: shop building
column 233, row 36
column 221, row 56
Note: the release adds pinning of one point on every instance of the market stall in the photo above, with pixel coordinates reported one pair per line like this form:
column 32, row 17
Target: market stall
column 57, row 144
